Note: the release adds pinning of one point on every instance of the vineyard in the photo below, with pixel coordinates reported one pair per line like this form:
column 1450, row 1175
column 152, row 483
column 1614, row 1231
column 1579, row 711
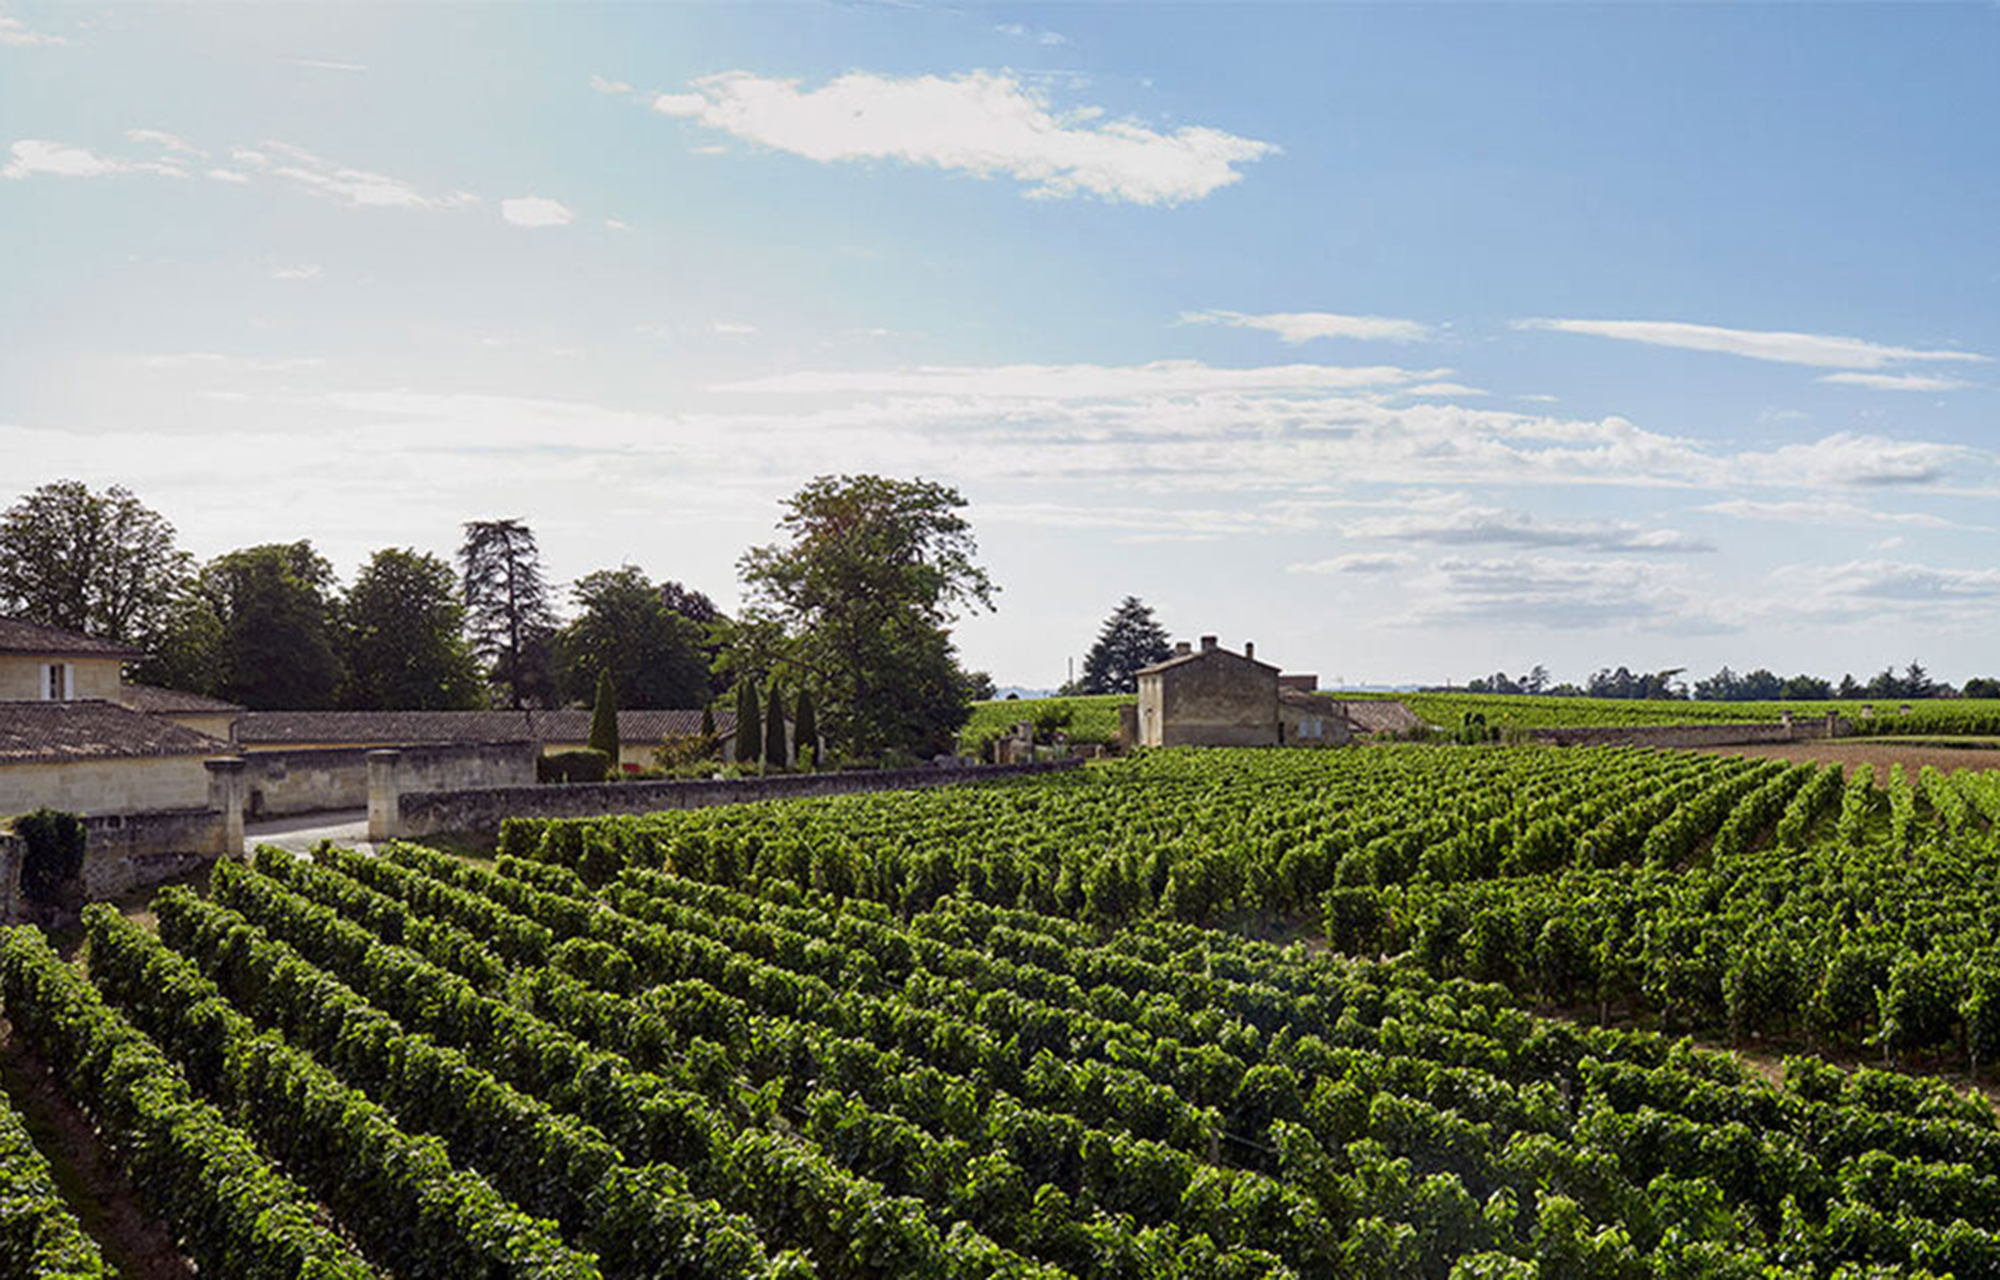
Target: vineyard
column 1095, row 718
column 1076, row 1025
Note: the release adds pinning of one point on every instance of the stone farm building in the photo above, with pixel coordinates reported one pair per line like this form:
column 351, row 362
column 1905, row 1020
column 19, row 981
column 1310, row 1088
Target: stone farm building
column 1213, row 697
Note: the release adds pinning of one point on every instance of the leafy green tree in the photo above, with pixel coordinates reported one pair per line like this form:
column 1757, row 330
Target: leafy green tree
column 508, row 612
column 774, row 726
column 805, row 730
column 604, row 718
column 186, row 649
column 1982, row 687
column 1805, row 688
column 103, row 564
column 749, row 738
column 278, row 614
column 864, row 591
column 653, row 654
column 708, row 723
column 403, row 638
column 1130, row 639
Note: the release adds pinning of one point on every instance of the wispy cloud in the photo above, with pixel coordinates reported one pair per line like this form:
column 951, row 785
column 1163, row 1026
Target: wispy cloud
column 14, row 33
column 1087, row 381
column 165, row 141
column 1370, row 562
column 1296, row 327
column 36, row 157
column 1021, row 31
column 732, row 328
column 303, row 271
column 356, row 188
column 1831, row 511
column 1549, row 593
column 327, row 64
column 536, row 211
column 985, row 123
column 1454, row 520
column 1849, row 458
column 1818, row 350
column 1896, row 381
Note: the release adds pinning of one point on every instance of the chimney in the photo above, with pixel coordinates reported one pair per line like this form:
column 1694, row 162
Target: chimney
column 1249, row 648
column 1208, row 644
column 1182, row 648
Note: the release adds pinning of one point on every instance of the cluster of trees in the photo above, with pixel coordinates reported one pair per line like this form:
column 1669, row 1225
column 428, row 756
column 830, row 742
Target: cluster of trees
column 1727, row 685
column 856, row 604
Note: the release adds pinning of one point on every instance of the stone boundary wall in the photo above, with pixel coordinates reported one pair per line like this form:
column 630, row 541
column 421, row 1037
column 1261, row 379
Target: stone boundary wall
column 422, row 813
column 1694, row 735
column 318, row 779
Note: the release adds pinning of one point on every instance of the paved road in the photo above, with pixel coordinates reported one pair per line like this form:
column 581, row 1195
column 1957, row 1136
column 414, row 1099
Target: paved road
column 347, row 828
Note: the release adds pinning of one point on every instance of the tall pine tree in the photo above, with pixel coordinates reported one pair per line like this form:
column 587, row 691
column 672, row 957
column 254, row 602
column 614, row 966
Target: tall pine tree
column 1130, row 640
column 805, row 732
column 508, row 614
column 749, row 735
column 604, row 720
column 774, row 727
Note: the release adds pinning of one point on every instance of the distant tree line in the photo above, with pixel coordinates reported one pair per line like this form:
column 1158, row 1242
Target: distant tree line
column 1727, row 685
column 853, row 613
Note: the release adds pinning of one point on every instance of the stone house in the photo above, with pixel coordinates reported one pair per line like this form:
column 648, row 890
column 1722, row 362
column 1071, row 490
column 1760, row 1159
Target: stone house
column 1308, row 720
column 1209, row 697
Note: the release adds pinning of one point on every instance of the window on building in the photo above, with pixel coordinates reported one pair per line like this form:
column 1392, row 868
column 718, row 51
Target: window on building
column 59, row 683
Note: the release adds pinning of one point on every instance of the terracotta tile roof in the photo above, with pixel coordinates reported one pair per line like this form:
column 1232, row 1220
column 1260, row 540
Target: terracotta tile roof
column 1379, row 715
column 19, row 636
column 37, row 732
column 1182, row 659
column 417, row 728
column 155, row 701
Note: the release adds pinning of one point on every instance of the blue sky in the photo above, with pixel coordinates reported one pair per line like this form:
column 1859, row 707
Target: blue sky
column 1411, row 342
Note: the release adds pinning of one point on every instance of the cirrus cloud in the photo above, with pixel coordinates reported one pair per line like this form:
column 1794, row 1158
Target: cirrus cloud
column 536, row 211
column 1295, row 327
column 1819, row 350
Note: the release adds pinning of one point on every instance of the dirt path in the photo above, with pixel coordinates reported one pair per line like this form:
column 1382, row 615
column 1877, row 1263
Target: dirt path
column 1880, row 752
column 137, row 1244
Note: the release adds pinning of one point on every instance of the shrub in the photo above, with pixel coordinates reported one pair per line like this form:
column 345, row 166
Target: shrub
column 587, row 765
column 55, row 844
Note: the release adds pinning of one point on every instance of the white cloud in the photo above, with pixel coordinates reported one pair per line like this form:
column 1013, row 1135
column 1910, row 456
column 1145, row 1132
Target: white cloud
column 324, row 64
column 1088, row 381
column 536, row 211
column 232, row 363
column 1896, row 580
column 1556, row 594
column 1824, row 511
column 732, row 328
column 356, row 188
column 35, row 157
column 1038, row 35
column 14, row 33
column 1355, row 562
column 231, row 176
column 603, row 85
column 615, row 225
column 1818, row 350
column 1896, row 381
column 982, row 122
column 1444, row 389
column 1296, row 327
column 1454, row 520
column 165, row 141
column 1847, row 458
column 304, row 271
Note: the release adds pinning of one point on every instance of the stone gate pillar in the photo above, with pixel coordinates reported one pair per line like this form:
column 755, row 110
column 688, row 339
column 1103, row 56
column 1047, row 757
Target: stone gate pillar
column 225, row 793
column 385, row 794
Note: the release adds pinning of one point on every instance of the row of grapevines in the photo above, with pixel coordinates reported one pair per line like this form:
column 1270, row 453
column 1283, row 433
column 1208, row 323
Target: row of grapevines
column 232, row 1212
column 40, row 1237
column 411, row 1209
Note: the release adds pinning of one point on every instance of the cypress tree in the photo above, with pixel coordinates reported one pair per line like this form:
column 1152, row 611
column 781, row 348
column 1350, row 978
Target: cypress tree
column 805, row 730
column 604, row 721
column 708, row 742
column 749, row 735
column 774, row 727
